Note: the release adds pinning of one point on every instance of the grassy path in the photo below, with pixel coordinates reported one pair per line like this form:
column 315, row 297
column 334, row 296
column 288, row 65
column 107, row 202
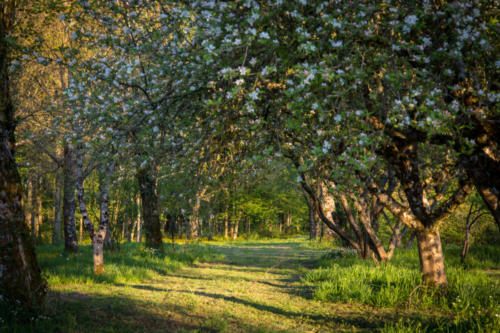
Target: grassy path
column 255, row 288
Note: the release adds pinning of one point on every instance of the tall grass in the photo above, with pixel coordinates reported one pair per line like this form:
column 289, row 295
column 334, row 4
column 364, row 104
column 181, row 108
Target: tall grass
column 131, row 264
column 471, row 301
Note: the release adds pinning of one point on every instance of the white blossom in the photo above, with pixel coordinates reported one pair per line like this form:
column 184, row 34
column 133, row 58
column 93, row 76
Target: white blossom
column 411, row 20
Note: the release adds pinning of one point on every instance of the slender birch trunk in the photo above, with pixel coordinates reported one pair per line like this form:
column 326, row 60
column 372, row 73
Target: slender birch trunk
column 98, row 236
column 139, row 219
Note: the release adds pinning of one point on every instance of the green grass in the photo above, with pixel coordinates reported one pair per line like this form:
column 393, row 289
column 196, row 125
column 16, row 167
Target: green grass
column 471, row 301
column 267, row 285
column 132, row 263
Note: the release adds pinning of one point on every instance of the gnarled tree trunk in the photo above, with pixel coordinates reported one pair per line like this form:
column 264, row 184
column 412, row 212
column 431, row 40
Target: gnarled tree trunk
column 21, row 284
column 420, row 217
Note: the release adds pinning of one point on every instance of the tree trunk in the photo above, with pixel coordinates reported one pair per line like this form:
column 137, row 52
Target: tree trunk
column 150, row 211
column 491, row 200
column 110, row 239
column 39, row 211
column 431, row 257
column 192, row 227
column 100, row 235
column 313, row 222
column 28, row 203
column 139, row 229
column 483, row 162
column 226, row 225
column 231, row 227
column 21, row 284
column 34, row 206
column 419, row 216
column 56, row 235
column 80, row 238
column 236, row 224
column 210, row 227
column 465, row 248
column 409, row 243
column 69, row 201
column 139, row 220
column 132, row 231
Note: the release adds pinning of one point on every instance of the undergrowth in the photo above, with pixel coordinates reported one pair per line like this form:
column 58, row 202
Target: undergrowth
column 471, row 301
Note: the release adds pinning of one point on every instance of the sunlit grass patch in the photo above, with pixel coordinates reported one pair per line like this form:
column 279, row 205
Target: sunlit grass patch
column 471, row 300
column 131, row 264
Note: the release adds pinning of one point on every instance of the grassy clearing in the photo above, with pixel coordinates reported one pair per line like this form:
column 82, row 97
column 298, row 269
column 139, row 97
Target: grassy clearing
column 471, row 302
column 133, row 263
column 285, row 285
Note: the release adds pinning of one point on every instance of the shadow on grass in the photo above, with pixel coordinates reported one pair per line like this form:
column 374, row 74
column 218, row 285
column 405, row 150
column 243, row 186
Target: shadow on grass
column 81, row 312
column 352, row 319
column 78, row 312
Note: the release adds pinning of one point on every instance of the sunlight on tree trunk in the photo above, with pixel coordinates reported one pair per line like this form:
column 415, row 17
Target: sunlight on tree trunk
column 431, row 257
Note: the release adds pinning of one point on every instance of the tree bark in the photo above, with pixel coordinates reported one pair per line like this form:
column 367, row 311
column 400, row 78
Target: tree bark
column 80, row 237
column 132, row 231
column 210, row 228
column 39, row 211
column 465, row 248
column 235, row 229
column 139, row 219
column 28, row 202
column 69, row 201
column 56, row 235
column 313, row 221
column 226, row 225
column 423, row 219
column 431, row 257
column 483, row 162
column 35, row 214
column 98, row 236
column 21, row 284
column 150, row 210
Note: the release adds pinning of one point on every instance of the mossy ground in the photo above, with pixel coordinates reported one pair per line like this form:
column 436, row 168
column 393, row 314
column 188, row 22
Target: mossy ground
column 243, row 286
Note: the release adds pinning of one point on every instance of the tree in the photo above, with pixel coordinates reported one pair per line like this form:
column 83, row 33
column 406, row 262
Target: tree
column 20, row 281
column 97, row 237
column 378, row 72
